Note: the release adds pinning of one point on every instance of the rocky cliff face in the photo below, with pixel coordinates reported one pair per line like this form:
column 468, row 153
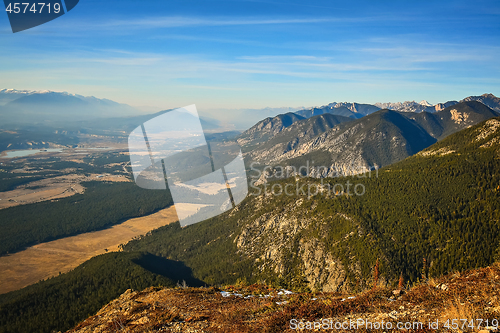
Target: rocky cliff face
column 290, row 241
column 274, row 239
column 355, row 147
column 441, row 106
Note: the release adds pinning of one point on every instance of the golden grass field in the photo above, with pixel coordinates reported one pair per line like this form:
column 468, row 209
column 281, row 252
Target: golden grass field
column 52, row 188
column 46, row 260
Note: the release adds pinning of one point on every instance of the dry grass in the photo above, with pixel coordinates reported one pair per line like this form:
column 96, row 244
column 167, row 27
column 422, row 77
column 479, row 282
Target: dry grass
column 458, row 309
column 46, row 189
column 48, row 259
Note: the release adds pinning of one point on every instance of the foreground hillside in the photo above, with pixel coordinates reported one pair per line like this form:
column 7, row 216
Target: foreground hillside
column 461, row 302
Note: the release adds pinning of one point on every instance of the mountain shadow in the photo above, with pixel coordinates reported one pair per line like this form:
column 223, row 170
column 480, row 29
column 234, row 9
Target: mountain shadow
column 174, row 270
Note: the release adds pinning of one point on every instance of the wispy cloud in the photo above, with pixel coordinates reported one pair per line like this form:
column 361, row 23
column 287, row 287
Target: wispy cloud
column 119, row 68
column 198, row 38
column 175, row 21
column 279, row 68
column 367, row 58
column 136, row 24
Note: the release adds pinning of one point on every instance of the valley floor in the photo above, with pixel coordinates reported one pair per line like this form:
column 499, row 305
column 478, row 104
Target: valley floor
column 48, row 259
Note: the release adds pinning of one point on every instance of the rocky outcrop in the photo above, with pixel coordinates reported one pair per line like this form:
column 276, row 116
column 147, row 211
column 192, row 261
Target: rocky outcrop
column 275, row 240
column 322, row 270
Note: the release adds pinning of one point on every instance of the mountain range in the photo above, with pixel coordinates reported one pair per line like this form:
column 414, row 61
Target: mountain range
column 339, row 144
column 46, row 107
column 355, row 110
column 442, row 204
column 30, row 107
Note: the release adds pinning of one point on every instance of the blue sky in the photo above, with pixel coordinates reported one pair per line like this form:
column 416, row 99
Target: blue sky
column 253, row 54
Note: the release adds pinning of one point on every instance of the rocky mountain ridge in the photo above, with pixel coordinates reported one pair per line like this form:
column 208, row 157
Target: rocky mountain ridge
column 489, row 100
column 271, row 126
column 267, row 128
column 352, row 146
column 357, row 110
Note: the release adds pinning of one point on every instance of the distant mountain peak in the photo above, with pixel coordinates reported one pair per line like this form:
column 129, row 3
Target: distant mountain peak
column 46, row 106
column 15, row 91
column 406, row 106
column 26, row 92
column 345, row 109
column 490, row 95
column 488, row 99
column 425, row 103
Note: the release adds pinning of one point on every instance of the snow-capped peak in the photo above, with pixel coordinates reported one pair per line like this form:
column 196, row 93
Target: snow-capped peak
column 15, row 91
column 425, row 103
column 24, row 92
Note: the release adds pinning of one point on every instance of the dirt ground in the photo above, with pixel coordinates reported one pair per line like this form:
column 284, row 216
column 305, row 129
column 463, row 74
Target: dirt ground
column 52, row 188
column 49, row 259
